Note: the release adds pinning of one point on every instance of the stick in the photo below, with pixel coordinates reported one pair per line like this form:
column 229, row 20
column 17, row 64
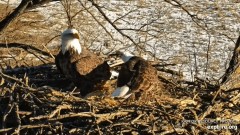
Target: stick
column 30, row 127
column 116, row 63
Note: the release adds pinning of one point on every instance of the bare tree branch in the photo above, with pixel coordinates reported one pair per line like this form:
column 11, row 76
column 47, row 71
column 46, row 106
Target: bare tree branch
column 119, row 30
column 109, row 21
column 25, row 47
column 11, row 17
column 67, row 8
column 96, row 20
column 193, row 16
column 24, row 5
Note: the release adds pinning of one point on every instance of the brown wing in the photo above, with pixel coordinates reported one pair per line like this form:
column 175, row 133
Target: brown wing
column 142, row 79
column 86, row 70
column 145, row 77
column 138, row 74
column 86, row 61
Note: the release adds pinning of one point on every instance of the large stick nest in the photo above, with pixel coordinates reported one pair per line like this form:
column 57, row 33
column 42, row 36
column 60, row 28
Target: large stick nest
column 33, row 101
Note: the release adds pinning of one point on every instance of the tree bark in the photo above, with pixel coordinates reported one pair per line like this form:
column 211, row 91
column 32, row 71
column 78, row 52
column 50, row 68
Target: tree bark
column 234, row 62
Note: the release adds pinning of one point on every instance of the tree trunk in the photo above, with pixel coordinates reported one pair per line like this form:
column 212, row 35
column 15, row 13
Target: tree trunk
column 234, row 62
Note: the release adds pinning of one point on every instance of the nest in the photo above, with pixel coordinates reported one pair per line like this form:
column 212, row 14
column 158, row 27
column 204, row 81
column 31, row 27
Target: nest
column 35, row 101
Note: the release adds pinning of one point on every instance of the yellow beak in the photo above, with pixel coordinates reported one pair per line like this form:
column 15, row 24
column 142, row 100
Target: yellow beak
column 76, row 35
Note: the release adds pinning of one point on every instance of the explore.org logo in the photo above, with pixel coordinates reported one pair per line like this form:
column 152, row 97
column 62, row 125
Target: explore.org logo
column 213, row 124
column 222, row 127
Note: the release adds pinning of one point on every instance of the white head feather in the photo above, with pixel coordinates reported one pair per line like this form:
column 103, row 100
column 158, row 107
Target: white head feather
column 70, row 39
column 126, row 55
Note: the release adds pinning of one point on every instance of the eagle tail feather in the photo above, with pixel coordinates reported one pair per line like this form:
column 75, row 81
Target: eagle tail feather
column 121, row 92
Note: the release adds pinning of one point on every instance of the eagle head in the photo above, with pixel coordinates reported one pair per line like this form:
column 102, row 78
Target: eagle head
column 125, row 55
column 70, row 40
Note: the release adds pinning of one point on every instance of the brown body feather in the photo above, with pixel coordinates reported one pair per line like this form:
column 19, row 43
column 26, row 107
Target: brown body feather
column 85, row 70
column 139, row 75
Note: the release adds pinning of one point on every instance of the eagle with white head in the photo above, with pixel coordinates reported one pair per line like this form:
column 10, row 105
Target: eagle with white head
column 135, row 76
column 84, row 68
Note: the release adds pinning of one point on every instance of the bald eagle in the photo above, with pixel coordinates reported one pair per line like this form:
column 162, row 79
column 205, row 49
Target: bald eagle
column 135, row 76
column 84, row 68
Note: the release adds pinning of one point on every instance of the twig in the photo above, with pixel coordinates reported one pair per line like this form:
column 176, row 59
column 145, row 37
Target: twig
column 45, row 46
column 178, row 130
column 59, row 108
column 10, row 52
column 170, row 121
column 7, row 112
column 215, row 96
column 25, row 47
column 116, row 63
column 235, row 98
column 16, row 80
column 87, row 9
column 193, row 16
column 30, row 127
column 18, row 119
column 138, row 117
column 169, row 71
column 117, row 29
column 67, row 8
column 207, row 112
column 88, row 114
column 23, row 70
column 207, row 55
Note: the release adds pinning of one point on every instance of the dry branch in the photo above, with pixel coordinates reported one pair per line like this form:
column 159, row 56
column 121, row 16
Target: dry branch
column 22, row 70
column 59, row 108
column 7, row 112
column 11, row 17
column 117, row 29
column 87, row 9
column 194, row 17
column 26, row 47
column 90, row 114
column 30, row 127
column 176, row 130
column 22, row 84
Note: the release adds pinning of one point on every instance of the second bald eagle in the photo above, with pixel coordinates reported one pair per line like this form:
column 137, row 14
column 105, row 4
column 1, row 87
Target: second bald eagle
column 136, row 75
